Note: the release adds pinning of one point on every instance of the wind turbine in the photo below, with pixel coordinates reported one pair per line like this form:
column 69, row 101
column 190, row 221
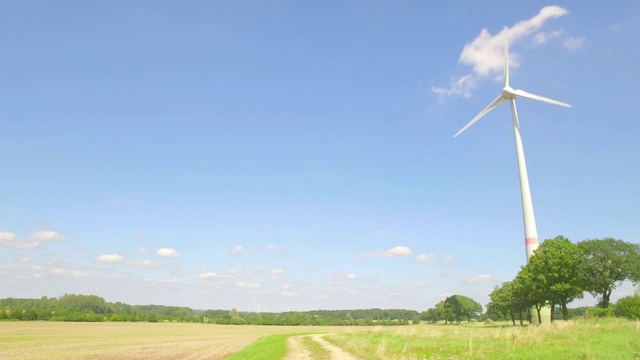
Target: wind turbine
column 508, row 93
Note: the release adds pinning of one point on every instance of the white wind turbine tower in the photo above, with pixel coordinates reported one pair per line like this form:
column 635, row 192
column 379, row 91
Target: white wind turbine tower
column 508, row 93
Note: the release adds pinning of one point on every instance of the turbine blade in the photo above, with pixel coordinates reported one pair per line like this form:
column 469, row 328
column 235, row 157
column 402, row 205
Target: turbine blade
column 540, row 98
column 499, row 100
column 506, row 64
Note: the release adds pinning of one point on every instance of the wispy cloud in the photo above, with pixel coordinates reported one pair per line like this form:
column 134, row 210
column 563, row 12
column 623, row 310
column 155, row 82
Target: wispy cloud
column 231, row 273
column 573, row 43
column 144, row 264
column 393, row 252
column 343, row 276
column 8, row 239
column 47, row 235
column 167, row 253
column 248, row 285
column 543, row 37
column 478, row 279
column 208, row 275
column 110, row 258
column 237, row 250
column 65, row 272
column 272, row 247
column 425, row 257
column 383, row 232
column 485, row 54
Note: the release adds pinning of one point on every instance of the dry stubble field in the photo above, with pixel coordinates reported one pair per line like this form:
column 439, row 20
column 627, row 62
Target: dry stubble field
column 110, row 340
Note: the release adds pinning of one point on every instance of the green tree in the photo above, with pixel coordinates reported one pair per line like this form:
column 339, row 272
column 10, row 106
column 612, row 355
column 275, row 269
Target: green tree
column 530, row 291
column 557, row 267
column 462, row 307
column 608, row 263
column 502, row 302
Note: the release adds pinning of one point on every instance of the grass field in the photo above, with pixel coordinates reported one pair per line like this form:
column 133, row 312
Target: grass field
column 592, row 339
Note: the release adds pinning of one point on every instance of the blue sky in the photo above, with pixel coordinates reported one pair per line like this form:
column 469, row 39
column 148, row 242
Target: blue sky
column 300, row 155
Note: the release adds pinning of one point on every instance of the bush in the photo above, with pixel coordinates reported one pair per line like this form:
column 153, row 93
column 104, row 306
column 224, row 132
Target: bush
column 488, row 322
column 629, row 307
column 599, row 312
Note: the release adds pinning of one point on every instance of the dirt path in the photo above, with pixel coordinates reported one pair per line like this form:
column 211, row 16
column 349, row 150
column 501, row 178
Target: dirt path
column 297, row 351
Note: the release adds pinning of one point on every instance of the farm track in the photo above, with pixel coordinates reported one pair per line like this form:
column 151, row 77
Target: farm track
column 297, row 351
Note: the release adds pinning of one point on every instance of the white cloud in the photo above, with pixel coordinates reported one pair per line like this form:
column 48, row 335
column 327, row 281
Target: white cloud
column 47, row 235
column 168, row 281
column 145, row 264
column 383, row 232
column 59, row 271
column 478, row 279
column 276, row 271
column 138, row 235
column 425, row 257
column 272, row 247
column 448, row 258
column 110, row 258
column 238, row 249
column 248, row 285
column 485, row 54
column 287, row 293
column 233, row 273
column 343, row 276
column 167, row 253
column 393, row 252
column 420, row 284
column 573, row 43
column 143, row 250
column 543, row 37
column 208, row 275
column 462, row 86
column 7, row 236
column 8, row 239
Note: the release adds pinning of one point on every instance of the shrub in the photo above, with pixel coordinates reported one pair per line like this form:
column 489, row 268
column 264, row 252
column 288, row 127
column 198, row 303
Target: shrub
column 599, row 312
column 488, row 322
column 629, row 307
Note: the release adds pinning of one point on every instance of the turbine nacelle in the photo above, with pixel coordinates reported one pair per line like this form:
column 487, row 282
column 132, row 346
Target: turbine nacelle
column 508, row 93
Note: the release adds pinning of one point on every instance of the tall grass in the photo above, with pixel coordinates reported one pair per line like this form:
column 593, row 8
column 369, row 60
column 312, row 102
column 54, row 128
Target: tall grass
column 580, row 339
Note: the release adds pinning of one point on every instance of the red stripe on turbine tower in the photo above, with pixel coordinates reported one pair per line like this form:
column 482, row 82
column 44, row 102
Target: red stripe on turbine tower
column 531, row 241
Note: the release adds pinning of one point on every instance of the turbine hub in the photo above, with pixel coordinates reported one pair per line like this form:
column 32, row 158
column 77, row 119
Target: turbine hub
column 508, row 93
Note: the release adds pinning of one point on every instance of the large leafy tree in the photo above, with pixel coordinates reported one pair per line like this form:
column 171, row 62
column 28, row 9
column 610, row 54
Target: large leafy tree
column 508, row 299
column 501, row 299
column 609, row 262
column 462, row 307
column 529, row 289
column 556, row 273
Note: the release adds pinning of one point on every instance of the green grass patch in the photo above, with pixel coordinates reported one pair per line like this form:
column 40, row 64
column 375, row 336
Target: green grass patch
column 585, row 339
column 317, row 351
column 268, row 347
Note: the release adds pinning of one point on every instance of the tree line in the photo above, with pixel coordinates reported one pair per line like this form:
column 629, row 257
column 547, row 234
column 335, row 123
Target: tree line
column 561, row 271
column 92, row 308
column 558, row 273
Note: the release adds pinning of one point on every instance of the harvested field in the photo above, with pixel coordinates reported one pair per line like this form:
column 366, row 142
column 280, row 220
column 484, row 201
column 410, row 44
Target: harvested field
column 59, row 340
